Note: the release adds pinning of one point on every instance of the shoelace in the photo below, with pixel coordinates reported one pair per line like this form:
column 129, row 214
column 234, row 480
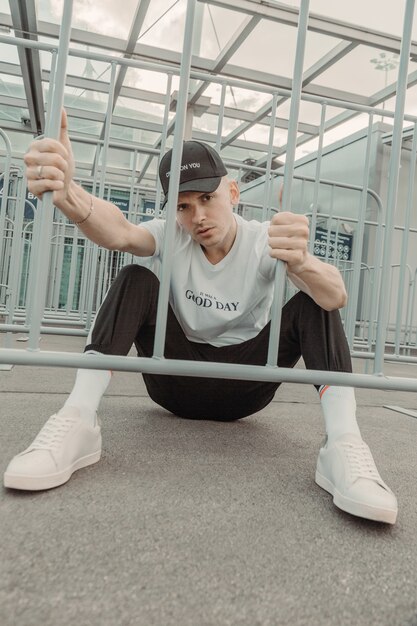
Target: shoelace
column 52, row 434
column 362, row 465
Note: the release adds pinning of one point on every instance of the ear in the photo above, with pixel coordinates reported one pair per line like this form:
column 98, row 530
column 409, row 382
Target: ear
column 234, row 192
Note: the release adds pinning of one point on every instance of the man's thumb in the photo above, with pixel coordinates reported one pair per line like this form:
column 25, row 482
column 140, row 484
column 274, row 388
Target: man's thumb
column 63, row 135
column 64, row 120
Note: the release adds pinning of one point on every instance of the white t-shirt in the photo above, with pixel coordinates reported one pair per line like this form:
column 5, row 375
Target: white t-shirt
column 226, row 303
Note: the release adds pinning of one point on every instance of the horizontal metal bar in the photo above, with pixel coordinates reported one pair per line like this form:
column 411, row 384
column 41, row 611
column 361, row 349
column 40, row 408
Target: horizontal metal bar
column 142, row 95
column 388, row 357
column 45, row 330
column 176, row 367
column 168, row 69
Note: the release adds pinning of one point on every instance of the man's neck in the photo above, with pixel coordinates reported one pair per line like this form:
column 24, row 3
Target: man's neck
column 216, row 254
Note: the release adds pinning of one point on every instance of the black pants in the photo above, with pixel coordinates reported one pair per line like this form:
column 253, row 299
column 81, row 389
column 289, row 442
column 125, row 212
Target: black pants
column 128, row 315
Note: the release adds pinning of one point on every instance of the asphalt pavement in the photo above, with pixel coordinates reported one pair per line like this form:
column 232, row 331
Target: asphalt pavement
column 199, row 523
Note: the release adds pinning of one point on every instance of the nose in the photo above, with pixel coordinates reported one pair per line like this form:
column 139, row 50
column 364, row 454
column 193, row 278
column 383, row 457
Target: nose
column 198, row 214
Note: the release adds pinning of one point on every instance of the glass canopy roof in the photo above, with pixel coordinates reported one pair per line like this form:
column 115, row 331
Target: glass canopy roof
column 352, row 56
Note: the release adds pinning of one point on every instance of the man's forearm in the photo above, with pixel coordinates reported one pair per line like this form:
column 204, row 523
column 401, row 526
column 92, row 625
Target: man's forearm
column 101, row 221
column 322, row 282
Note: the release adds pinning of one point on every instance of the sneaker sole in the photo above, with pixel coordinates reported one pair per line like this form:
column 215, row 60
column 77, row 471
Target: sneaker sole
column 376, row 514
column 49, row 481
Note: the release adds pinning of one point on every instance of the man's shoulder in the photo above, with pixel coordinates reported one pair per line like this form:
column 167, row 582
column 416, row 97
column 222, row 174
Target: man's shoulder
column 158, row 225
column 254, row 244
column 155, row 221
column 252, row 226
column 157, row 228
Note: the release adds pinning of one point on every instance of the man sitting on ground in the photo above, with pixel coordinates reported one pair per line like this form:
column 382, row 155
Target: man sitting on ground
column 221, row 292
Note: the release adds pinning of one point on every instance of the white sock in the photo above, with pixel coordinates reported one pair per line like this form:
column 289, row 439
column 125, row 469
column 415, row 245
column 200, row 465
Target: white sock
column 87, row 392
column 339, row 410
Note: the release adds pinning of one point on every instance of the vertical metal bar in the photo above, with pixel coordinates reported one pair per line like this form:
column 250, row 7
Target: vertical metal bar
column 240, row 173
column 45, row 216
column 393, row 177
column 280, row 272
column 163, row 143
column 54, row 268
column 330, row 222
column 364, row 305
column 413, row 300
column 91, row 265
column 59, row 257
column 93, row 258
column 358, row 242
column 413, row 325
column 195, row 50
column 4, row 198
column 127, row 257
column 409, row 313
column 221, row 118
column 336, row 239
column 266, row 196
column 302, row 193
column 101, row 277
column 404, row 247
column 84, row 280
column 313, row 223
column 16, row 254
column 107, row 128
column 162, row 311
column 52, row 72
column 35, row 245
column 376, row 274
column 72, row 274
column 29, row 232
column 15, row 261
column 102, row 182
column 104, row 254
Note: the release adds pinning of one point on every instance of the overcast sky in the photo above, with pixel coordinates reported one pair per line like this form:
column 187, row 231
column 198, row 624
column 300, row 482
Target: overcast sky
column 111, row 17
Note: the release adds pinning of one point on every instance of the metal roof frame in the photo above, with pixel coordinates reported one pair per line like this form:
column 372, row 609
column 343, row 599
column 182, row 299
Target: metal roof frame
column 23, row 14
column 23, row 21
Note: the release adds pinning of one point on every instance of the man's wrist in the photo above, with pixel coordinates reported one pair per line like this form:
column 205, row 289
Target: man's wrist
column 91, row 209
column 77, row 204
column 300, row 268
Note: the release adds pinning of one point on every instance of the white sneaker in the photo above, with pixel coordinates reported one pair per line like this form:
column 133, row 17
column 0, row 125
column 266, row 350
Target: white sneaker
column 347, row 470
column 65, row 444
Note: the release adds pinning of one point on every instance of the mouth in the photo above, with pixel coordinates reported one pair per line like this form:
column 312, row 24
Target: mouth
column 204, row 232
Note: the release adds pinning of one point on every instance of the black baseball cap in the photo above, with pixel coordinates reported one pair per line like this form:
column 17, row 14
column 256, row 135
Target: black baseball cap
column 201, row 168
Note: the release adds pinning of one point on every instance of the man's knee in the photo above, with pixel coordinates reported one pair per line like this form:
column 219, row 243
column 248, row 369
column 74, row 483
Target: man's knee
column 305, row 304
column 303, row 300
column 134, row 270
column 136, row 274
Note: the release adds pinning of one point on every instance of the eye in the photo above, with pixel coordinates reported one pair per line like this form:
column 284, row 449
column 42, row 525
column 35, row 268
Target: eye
column 207, row 197
column 181, row 207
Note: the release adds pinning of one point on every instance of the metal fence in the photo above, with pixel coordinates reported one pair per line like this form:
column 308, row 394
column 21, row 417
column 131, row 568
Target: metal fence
column 52, row 280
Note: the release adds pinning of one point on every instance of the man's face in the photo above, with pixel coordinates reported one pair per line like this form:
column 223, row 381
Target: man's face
column 208, row 217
